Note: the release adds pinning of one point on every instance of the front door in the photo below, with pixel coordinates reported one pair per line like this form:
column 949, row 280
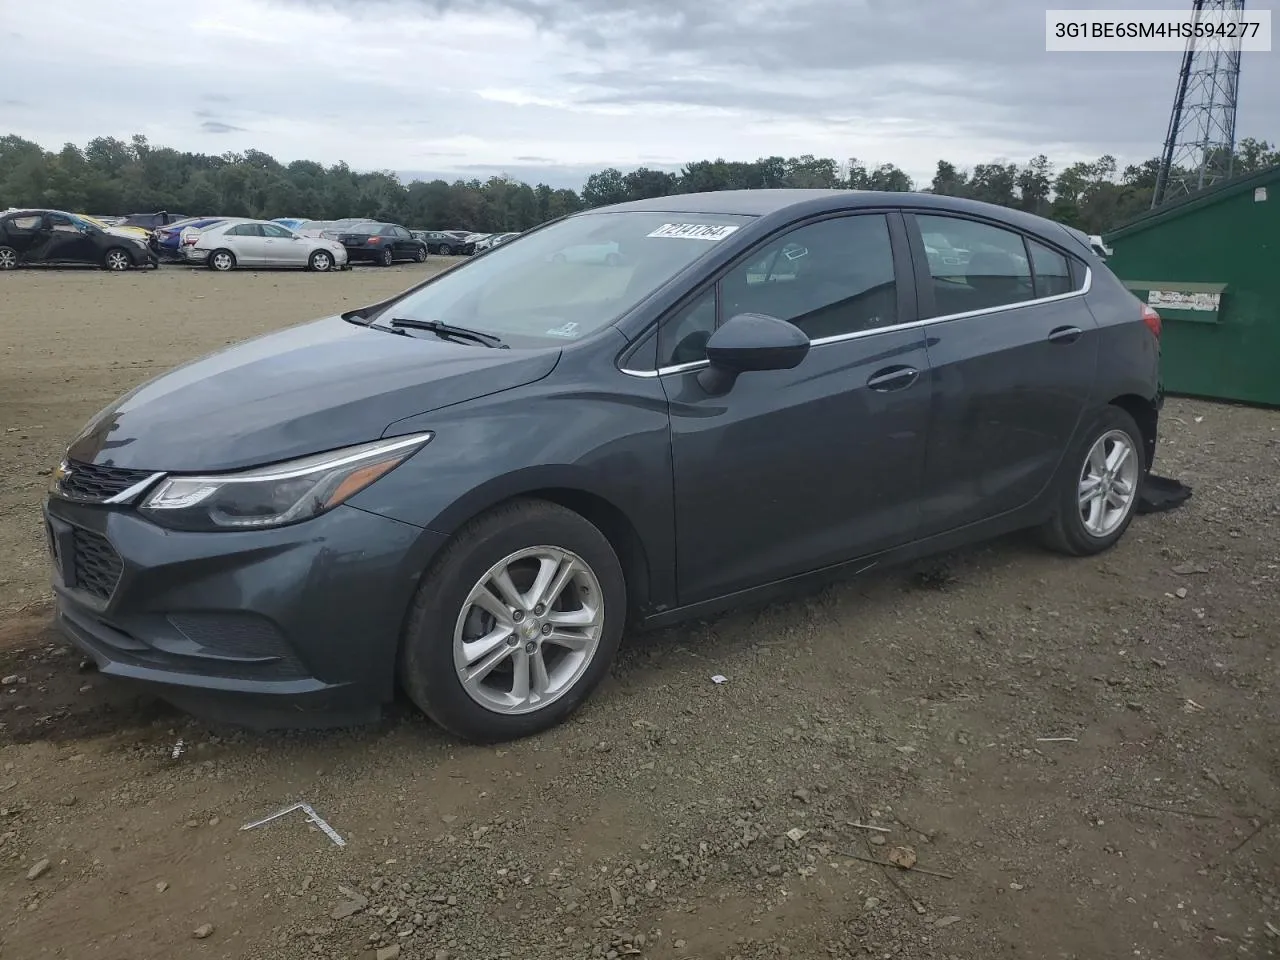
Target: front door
column 69, row 240
column 1013, row 350
column 281, row 247
column 794, row 470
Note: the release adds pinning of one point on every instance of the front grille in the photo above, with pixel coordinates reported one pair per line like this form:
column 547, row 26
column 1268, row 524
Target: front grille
column 97, row 565
column 246, row 637
column 94, row 482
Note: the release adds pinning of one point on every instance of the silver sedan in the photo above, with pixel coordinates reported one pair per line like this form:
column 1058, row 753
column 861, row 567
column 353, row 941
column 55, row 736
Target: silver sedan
column 260, row 243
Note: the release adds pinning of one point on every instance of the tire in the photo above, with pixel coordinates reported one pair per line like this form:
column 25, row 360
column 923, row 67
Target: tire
column 446, row 250
column 421, row 255
column 386, row 257
column 1067, row 531
column 9, row 258
column 117, row 260
column 432, row 653
column 321, row 261
column 222, row 261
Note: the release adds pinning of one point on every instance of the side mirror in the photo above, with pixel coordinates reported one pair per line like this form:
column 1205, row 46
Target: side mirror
column 751, row 341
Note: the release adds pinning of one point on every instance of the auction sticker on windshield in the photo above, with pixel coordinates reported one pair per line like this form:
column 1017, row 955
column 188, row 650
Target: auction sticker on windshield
column 694, row 231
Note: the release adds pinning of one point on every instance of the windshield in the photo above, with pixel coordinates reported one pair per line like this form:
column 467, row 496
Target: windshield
column 570, row 279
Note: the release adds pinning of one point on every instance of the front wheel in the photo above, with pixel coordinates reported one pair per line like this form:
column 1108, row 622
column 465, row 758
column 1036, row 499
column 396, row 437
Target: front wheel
column 515, row 624
column 116, row 260
column 1098, row 487
column 321, row 261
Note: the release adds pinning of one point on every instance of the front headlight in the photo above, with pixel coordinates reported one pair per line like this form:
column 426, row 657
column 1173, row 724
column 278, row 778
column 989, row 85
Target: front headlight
column 277, row 495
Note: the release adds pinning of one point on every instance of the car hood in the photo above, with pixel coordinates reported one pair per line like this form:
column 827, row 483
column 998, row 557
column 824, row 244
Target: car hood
column 314, row 387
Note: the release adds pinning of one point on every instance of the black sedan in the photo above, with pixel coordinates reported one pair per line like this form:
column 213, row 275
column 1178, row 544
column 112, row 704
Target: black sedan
column 447, row 243
column 54, row 237
column 380, row 243
column 472, row 489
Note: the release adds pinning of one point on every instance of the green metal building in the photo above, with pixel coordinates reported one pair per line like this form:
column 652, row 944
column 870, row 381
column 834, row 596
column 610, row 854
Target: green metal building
column 1210, row 266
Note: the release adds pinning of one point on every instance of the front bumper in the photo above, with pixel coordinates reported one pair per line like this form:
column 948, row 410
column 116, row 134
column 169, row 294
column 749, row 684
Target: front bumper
column 292, row 627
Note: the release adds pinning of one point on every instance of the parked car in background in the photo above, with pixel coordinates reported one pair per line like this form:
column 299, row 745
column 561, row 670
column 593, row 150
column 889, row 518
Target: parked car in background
column 168, row 239
column 290, row 223
column 149, row 221
column 52, row 237
column 493, row 240
column 446, row 243
column 380, row 243
column 260, row 243
column 111, row 225
column 469, row 490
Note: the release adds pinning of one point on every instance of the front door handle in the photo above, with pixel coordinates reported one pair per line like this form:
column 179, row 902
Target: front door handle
column 893, row 378
column 1065, row 335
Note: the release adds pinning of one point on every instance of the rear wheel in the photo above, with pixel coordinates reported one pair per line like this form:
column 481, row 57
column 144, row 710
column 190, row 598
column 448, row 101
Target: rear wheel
column 1098, row 487
column 222, row 260
column 386, row 258
column 116, row 260
column 321, row 261
column 515, row 624
column 8, row 258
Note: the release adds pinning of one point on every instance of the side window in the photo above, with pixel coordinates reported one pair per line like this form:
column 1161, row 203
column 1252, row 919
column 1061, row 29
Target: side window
column 683, row 337
column 401, row 232
column 828, row 278
column 275, row 230
column 1053, row 274
column 974, row 266
column 62, row 224
column 26, row 223
column 245, row 230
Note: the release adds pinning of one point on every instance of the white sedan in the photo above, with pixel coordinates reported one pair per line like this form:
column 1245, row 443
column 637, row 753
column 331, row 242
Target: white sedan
column 260, row 243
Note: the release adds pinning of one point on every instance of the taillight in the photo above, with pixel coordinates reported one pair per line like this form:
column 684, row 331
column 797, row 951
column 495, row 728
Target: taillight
column 1152, row 320
column 190, row 241
column 373, row 240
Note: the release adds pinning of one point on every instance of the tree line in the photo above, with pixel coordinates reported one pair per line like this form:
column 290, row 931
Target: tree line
column 109, row 176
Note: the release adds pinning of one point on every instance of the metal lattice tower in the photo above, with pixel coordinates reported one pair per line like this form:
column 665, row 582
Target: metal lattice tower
column 1199, row 148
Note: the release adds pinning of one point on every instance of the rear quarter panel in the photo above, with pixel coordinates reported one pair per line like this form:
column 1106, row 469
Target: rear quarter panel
column 1129, row 356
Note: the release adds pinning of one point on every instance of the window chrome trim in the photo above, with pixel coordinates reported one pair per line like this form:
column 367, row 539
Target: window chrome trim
column 860, row 334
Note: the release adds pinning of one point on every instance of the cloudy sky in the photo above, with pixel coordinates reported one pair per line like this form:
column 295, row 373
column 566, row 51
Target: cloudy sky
column 555, row 89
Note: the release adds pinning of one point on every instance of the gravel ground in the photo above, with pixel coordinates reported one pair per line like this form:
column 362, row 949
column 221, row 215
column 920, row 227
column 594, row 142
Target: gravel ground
column 1083, row 754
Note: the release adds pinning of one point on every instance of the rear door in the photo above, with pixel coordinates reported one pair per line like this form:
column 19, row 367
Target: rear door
column 23, row 232
column 1013, row 350
column 248, row 244
column 793, row 470
column 405, row 246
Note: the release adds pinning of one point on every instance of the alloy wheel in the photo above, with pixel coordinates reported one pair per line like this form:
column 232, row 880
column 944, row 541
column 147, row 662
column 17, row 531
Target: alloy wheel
column 528, row 630
column 8, row 260
column 117, row 260
column 1108, row 485
column 222, row 261
column 321, row 262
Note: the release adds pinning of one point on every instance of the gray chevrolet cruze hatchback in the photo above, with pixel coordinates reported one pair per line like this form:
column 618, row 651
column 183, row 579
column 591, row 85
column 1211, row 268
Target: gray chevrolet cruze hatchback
column 628, row 416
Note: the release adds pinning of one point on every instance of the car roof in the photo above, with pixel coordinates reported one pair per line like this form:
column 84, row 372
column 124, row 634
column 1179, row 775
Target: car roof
column 786, row 202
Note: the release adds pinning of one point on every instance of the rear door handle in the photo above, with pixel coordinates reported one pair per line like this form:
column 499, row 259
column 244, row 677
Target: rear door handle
column 893, row 378
column 1065, row 335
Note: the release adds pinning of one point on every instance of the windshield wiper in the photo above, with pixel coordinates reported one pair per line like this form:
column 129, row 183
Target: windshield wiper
column 445, row 330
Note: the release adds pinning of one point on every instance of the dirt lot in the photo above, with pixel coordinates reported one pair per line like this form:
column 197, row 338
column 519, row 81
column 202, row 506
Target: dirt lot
column 674, row 817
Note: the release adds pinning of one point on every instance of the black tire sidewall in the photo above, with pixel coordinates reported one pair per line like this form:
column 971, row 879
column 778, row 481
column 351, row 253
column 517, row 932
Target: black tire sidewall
column 213, row 256
column 1070, row 523
column 311, row 262
column 17, row 260
column 386, row 258
column 106, row 259
column 427, row 668
column 421, row 255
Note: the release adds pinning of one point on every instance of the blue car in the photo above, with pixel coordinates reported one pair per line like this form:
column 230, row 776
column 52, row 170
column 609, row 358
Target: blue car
column 291, row 223
column 168, row 239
